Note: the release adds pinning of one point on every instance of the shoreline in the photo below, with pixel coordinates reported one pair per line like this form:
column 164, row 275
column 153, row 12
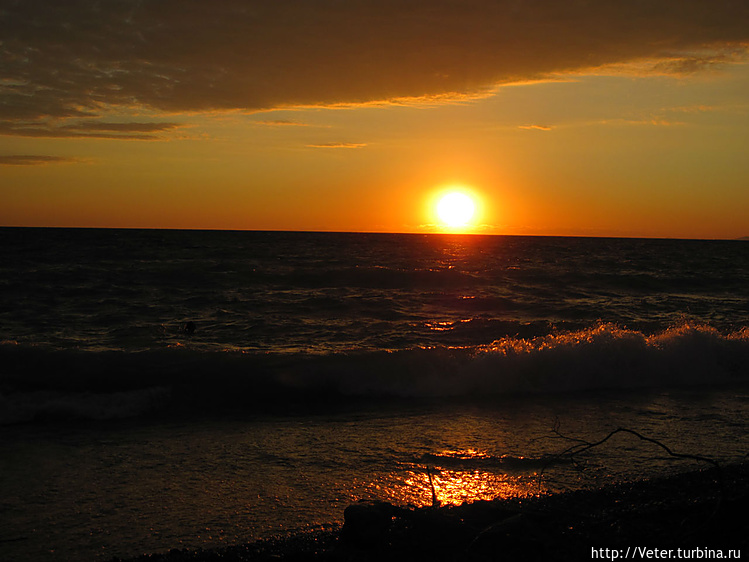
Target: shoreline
column 703, row 509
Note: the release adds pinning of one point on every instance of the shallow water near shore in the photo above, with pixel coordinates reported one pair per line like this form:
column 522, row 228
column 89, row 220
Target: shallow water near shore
column 75, row 492
column 329, row 368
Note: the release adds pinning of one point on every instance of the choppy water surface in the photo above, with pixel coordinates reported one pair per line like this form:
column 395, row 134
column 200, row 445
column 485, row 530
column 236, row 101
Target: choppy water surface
column 320, row 293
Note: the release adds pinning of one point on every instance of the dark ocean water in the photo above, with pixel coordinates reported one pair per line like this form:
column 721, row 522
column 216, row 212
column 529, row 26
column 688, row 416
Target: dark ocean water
column 326, row 368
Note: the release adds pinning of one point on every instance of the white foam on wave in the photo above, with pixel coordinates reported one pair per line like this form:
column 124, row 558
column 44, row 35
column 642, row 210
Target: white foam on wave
column 602, row 357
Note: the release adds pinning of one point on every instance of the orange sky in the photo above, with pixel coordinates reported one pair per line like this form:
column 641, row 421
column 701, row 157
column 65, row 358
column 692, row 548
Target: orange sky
column 578, row 118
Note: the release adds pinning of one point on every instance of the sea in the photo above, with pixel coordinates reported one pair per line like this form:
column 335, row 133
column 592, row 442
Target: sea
column 165, row 389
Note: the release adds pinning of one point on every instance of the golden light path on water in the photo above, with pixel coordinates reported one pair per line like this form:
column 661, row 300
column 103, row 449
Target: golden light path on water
column 454, row 485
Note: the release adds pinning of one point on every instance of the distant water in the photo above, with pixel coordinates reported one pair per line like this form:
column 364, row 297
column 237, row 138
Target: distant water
column 325, row 368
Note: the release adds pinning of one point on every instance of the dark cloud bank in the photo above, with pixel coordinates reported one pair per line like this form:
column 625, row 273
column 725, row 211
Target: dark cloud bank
column 75, row 58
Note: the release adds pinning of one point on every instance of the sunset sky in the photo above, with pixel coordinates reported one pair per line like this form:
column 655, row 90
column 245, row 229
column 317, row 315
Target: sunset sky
column 594, row 118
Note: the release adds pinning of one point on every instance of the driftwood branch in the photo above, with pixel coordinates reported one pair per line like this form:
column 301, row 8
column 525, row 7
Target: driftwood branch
column 581, row 446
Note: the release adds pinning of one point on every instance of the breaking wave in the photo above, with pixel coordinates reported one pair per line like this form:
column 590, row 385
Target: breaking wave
column 40, row 383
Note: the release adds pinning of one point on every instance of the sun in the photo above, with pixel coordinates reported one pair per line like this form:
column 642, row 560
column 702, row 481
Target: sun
column 456, row 209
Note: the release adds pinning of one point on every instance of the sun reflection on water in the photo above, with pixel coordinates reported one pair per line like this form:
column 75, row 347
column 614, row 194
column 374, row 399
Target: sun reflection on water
column 454, row 484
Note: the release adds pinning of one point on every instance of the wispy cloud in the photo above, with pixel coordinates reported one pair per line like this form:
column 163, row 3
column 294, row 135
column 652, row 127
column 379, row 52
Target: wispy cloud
column 127, row 128
column 90, row 128
column 77, row 59
column 700, row 62
column 281, row 123
column 649, row 122
column 695, row 108
column 34, row 160
column 683, row 63
column 535, row 127
column 338, row 145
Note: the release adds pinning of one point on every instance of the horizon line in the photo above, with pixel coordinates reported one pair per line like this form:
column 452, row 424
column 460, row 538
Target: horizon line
column 389, row 233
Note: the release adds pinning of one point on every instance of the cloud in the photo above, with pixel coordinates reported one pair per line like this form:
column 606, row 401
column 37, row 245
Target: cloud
column 33, row 160
column 649, row 122
column 338, row 145
column 127, row 128
column 535, row 127
column 700, row 60
column 704, row 62
column 89, row 128
column 281, row 123
column 695, row 108
column 76, row 59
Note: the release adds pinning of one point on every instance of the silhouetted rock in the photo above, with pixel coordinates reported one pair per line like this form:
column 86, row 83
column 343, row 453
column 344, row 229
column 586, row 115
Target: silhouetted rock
column 366, row 523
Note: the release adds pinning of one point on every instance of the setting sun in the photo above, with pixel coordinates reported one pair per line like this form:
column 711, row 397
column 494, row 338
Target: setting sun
column 456, row 209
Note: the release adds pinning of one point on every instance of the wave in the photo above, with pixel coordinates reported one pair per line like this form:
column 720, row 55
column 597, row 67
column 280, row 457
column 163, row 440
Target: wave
column 39, row 383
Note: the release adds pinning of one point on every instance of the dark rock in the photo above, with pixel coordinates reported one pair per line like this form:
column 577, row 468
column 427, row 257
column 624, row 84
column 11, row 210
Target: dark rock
column 367, row 523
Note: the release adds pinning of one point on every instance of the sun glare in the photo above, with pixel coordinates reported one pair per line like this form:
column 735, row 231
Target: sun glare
column 456, row 209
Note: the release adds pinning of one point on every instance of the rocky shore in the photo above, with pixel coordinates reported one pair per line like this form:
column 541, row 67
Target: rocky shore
column 698, row 515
